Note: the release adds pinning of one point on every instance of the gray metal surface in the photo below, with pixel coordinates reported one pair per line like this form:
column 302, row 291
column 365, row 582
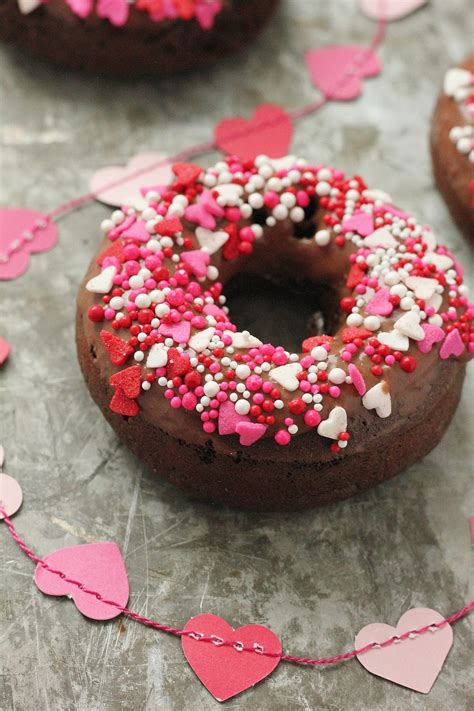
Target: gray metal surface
column 315, row 578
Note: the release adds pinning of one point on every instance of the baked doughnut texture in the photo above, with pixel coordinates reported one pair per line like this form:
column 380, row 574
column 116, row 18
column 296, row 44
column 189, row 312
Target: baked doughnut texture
column 236, row 421
column 452, row 145
column 141, row 37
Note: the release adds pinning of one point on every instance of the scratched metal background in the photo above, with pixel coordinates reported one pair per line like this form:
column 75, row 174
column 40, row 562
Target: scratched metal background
column 315, row 578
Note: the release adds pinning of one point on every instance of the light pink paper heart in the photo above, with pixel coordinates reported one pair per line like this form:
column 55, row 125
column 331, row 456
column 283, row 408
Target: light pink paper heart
column 360, row 222
column 229, row 418
column 338, row 70
column 380, row 304
column 452, row 345
column 119, row 186
column 5, row 350
column 13, row 223
column 99, row 567
column 268, row 131
column 11, row 495
column 414, row 663
column 222, row 669
column 250, row 432
column 389, row 9
column 433, row 334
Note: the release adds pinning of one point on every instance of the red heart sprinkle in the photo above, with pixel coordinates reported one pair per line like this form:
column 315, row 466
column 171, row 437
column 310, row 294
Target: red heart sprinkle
column 350, row 333
column 127, row 380
column 115, row 250
column 186, row 172
column 118, row 350
column 356, row 274
column 178, row 364
column 169, row 227
column 231, row 247
column 313, row 341
column 123, row 405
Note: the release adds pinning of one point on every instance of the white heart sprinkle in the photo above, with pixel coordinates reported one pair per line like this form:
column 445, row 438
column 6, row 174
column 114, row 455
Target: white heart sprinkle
column 210, row 241
column 244, row 340
column 335, row 424
column 229, row 193
column 429, row 238
column 423, row 288
column 455, row 79
column 377, row 194
column 435, row 301
column 409, row 325
column 103, row 282
column 157, row 356
column 27, row 6
column 284, row 163
column 285, row 375
column 380, row 238
column 441, row 261
column 378, row 399
column 394, row 339
column 200, row 341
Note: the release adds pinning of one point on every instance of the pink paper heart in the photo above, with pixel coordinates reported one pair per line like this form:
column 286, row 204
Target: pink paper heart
column 197, row 260
column 268, row 131
column 360, row 222
column 338, row 70
column 179, row 332
column 452, row 345
column 357, row 379
column 222, row 669
column 11, row 495
column 99, row 567
column 119, row 186
column 389, row 9
column 414, row 663
column 433, row 334
column 380, row 304
column 250, row 432
column 229, row 418
column 5, row 350
column 116, row 11
column 206, row 13
column 13, row 223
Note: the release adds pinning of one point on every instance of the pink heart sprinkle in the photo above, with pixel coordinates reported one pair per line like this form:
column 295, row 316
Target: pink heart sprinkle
column 452, row 345
column 5, row 350
column 250, row 432
column 179, row 332
column 433, row 334
column 213, row 310
column 229, row 418
column 200, row 216
column 206, row 13
column 360, row 222
column 197, row 260
column 357, row 379
column 98, row 566
column 268, row 131
column 338, row 70
column 137, row 231
column 13, row 223
column 380, row 304
column 116, row 11
column 222, row 669
column 415, row 662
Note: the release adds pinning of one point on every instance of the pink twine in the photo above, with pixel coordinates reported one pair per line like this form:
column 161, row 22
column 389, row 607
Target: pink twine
column 177, row 632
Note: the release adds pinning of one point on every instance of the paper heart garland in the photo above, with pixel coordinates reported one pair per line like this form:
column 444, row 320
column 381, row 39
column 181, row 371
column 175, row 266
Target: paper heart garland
column 389, row 9
column 11, row 495
column 268, row 131
column 338, row 70
column 98, row 566
column 224, row 671
column 117, row 186
column 416, row 662
column 14, row 222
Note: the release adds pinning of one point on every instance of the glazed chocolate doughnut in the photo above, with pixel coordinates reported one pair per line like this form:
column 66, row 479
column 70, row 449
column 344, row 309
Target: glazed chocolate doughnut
column 132, row 37
column 233, row 420
column 452, row 145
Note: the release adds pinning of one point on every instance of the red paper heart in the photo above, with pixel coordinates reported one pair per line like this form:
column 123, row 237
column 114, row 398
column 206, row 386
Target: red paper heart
column 99, row 567
column 118, row 349
column 186, row 172
column 13, row 223
column 268, row 131
column 123, row 405
column 338, row 70
column 224, row 671
column 127, row 380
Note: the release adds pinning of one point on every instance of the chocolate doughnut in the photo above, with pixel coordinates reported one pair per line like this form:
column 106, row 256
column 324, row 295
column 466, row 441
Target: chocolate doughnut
column 233, row 420
column 452, row 145
column 140, row 37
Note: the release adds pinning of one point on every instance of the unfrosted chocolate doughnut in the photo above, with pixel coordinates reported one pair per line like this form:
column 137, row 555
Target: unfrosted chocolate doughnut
column 231, row 419
column 123, row 38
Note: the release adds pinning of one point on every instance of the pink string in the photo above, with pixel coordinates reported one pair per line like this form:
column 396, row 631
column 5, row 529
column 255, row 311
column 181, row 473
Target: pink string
column 200, row 148
column 218, row 641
